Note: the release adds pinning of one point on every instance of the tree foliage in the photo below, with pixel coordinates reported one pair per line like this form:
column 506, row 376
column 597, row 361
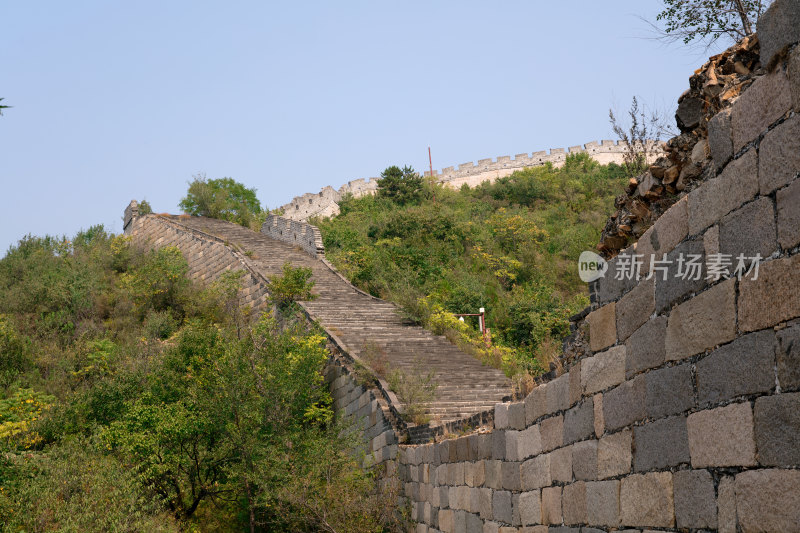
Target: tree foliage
column 222, row 198
column 510, row 246
column 401, row 186
column 134, row 400
column 3, row 106
column 708, row 20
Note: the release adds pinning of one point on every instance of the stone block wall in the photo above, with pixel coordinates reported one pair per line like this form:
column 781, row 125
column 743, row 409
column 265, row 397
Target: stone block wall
column 684, row 415
column 294, row 232
column 207, row 256
column 370, row 411
column 325, row 203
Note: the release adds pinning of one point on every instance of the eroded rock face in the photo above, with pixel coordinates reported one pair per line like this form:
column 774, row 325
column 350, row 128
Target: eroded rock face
column 695, row 155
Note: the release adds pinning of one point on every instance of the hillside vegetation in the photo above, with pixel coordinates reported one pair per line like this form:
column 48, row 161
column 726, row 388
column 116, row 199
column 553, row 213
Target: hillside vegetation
column 510, row 246
column 132, row 399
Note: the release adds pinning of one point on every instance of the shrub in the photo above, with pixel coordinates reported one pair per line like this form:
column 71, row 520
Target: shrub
column 293, row 285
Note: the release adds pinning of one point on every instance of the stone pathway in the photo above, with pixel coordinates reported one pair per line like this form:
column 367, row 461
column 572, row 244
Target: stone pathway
column 365, row 324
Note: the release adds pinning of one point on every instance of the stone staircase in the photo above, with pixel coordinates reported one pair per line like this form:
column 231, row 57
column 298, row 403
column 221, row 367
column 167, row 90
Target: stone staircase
column 367, row 324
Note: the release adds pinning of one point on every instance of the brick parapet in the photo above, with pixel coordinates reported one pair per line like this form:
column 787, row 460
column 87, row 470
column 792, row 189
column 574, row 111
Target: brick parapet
column 325, row 203
column 681, row 414
column 294, row 232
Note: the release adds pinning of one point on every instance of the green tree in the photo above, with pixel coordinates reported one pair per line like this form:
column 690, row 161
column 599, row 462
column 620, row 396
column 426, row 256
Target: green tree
column 3, row 107
column 401, row 186
column 708, row 20
column 223, row 198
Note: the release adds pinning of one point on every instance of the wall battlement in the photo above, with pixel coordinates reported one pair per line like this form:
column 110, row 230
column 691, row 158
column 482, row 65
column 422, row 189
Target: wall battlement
column 325, row 203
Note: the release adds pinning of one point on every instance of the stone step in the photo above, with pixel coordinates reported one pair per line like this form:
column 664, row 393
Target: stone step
column 465, row 385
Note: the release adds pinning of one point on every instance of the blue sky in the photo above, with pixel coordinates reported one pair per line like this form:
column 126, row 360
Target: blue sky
column 120, row 100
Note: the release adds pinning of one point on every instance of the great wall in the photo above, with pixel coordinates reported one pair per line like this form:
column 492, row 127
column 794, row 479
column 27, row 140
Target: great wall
column 678, row 407
column 326, row 202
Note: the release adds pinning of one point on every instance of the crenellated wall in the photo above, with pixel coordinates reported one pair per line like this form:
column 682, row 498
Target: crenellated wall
column 294, row 232
column 325, row 203
column 683, row 412
column 208, row 257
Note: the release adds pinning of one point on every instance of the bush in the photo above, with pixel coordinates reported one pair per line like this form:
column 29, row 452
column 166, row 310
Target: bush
column 76, row 487
column 293, row 285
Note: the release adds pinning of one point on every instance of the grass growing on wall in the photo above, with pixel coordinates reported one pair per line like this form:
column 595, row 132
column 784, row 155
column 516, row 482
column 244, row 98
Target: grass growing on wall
column 511, row 247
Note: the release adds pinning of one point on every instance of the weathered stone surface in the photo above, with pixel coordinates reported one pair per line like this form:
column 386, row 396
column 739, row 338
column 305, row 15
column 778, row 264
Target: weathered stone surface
column 599, row 419
column 474, row 524
column 779, row 156
column 726, row 505
column 717, row 197
column 610, row 288
column 614, row 455
column 499, row 444
column 535, row 404
column 446, row 520
column 494, row 474
column 625, row 404
column 584, row 460
column 536, row 472
column 475, row 473
column 646, row 500
column 635, row 308
column 501, row 506
column 669, row 391
column 773, row 297
column 722, row 436
column 501, row 416
column 516, row 415
column 573, row 503
column 645, row 348
column 793, row 72
column 703, row 322
column 603, row 370
column 768, row 500
column 575, row 388
column 511, row 475
column 788, row 355
column 764, row 102
column 679, row 279
column 711, row 240
column 720, row 137
column 552, row 431
column 689, row 113
column 749, row 230
column 745, row 366
column 557, row 394
column 788, row 205
column 778, row 27
column 602, row 503
column 530, row 508
column 695, row 501
column 523, row 444
column 665, row 234
column 561, row 465
column 660, row 444
column 551, row 505
column 602, row 327
column 579, row 421
column 777, row 426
